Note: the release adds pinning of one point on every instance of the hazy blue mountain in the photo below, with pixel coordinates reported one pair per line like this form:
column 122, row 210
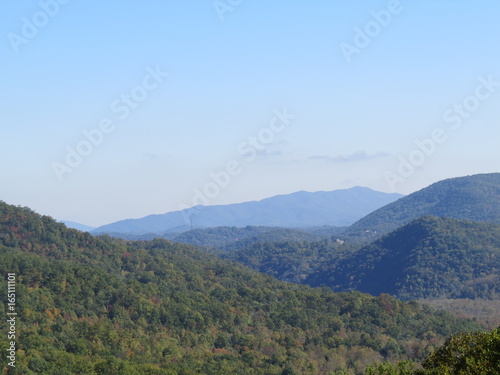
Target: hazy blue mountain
column 302, row 209
column 475, row 198
column 78, row 226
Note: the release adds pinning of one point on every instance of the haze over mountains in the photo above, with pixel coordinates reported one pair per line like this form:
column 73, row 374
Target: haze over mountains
column 301, row 209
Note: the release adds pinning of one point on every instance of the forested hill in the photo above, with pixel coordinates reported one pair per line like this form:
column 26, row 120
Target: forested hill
column 233, row 238
column 475, row 198
column 91, row 305
column 429, row 258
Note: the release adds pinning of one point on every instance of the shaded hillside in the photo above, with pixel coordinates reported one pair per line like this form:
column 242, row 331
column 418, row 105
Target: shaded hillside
column 103, row 306
column 475, row 198
column 292, row 261
column 297, row 210
column 429, row 258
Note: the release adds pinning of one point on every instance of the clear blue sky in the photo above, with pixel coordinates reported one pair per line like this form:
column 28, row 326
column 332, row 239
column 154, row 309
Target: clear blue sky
column 65, row 68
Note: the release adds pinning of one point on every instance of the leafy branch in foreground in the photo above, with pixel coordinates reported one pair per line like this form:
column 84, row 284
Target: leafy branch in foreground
column 465, row 354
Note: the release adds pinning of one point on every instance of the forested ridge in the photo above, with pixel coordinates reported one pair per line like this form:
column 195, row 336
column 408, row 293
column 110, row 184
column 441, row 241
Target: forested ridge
column 472, row 198
column 430, row 257
column 92, row 305
column 294, row 261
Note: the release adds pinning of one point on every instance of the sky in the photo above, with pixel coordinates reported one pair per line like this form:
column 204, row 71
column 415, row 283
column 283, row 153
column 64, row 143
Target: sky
column 116, row 110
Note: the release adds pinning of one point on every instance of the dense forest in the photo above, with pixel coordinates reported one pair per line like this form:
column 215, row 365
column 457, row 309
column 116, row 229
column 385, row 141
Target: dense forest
column 235, row 238
column 100, row 305
column 429, row 258
column 293, row 261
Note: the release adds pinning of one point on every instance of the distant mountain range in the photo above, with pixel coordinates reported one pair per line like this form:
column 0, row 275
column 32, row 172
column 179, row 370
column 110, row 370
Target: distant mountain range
column 297, row 210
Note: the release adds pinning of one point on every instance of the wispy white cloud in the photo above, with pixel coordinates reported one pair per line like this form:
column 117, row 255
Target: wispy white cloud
column 354, row 157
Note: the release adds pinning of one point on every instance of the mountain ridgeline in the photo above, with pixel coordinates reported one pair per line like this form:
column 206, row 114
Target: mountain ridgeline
column 297, row 210
column 474, row 198
column 98, row 305
column 428, row 257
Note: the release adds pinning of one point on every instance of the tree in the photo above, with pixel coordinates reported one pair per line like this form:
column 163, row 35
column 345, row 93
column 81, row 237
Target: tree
column 401, row 368
column 467, row 354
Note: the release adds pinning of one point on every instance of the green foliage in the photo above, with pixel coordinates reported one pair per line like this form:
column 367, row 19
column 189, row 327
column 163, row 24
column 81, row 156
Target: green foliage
column 485, row 310
column 220, row 240
column 233, row 238
column 103, row 306
column 428, row 258
column 293, row 261
column 467, row 354
column 386, row 368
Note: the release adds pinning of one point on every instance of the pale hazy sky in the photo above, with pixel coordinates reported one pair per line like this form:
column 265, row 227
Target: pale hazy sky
column 114, row 110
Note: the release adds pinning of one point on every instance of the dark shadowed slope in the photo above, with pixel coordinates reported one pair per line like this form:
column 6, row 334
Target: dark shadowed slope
column 429, row 258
